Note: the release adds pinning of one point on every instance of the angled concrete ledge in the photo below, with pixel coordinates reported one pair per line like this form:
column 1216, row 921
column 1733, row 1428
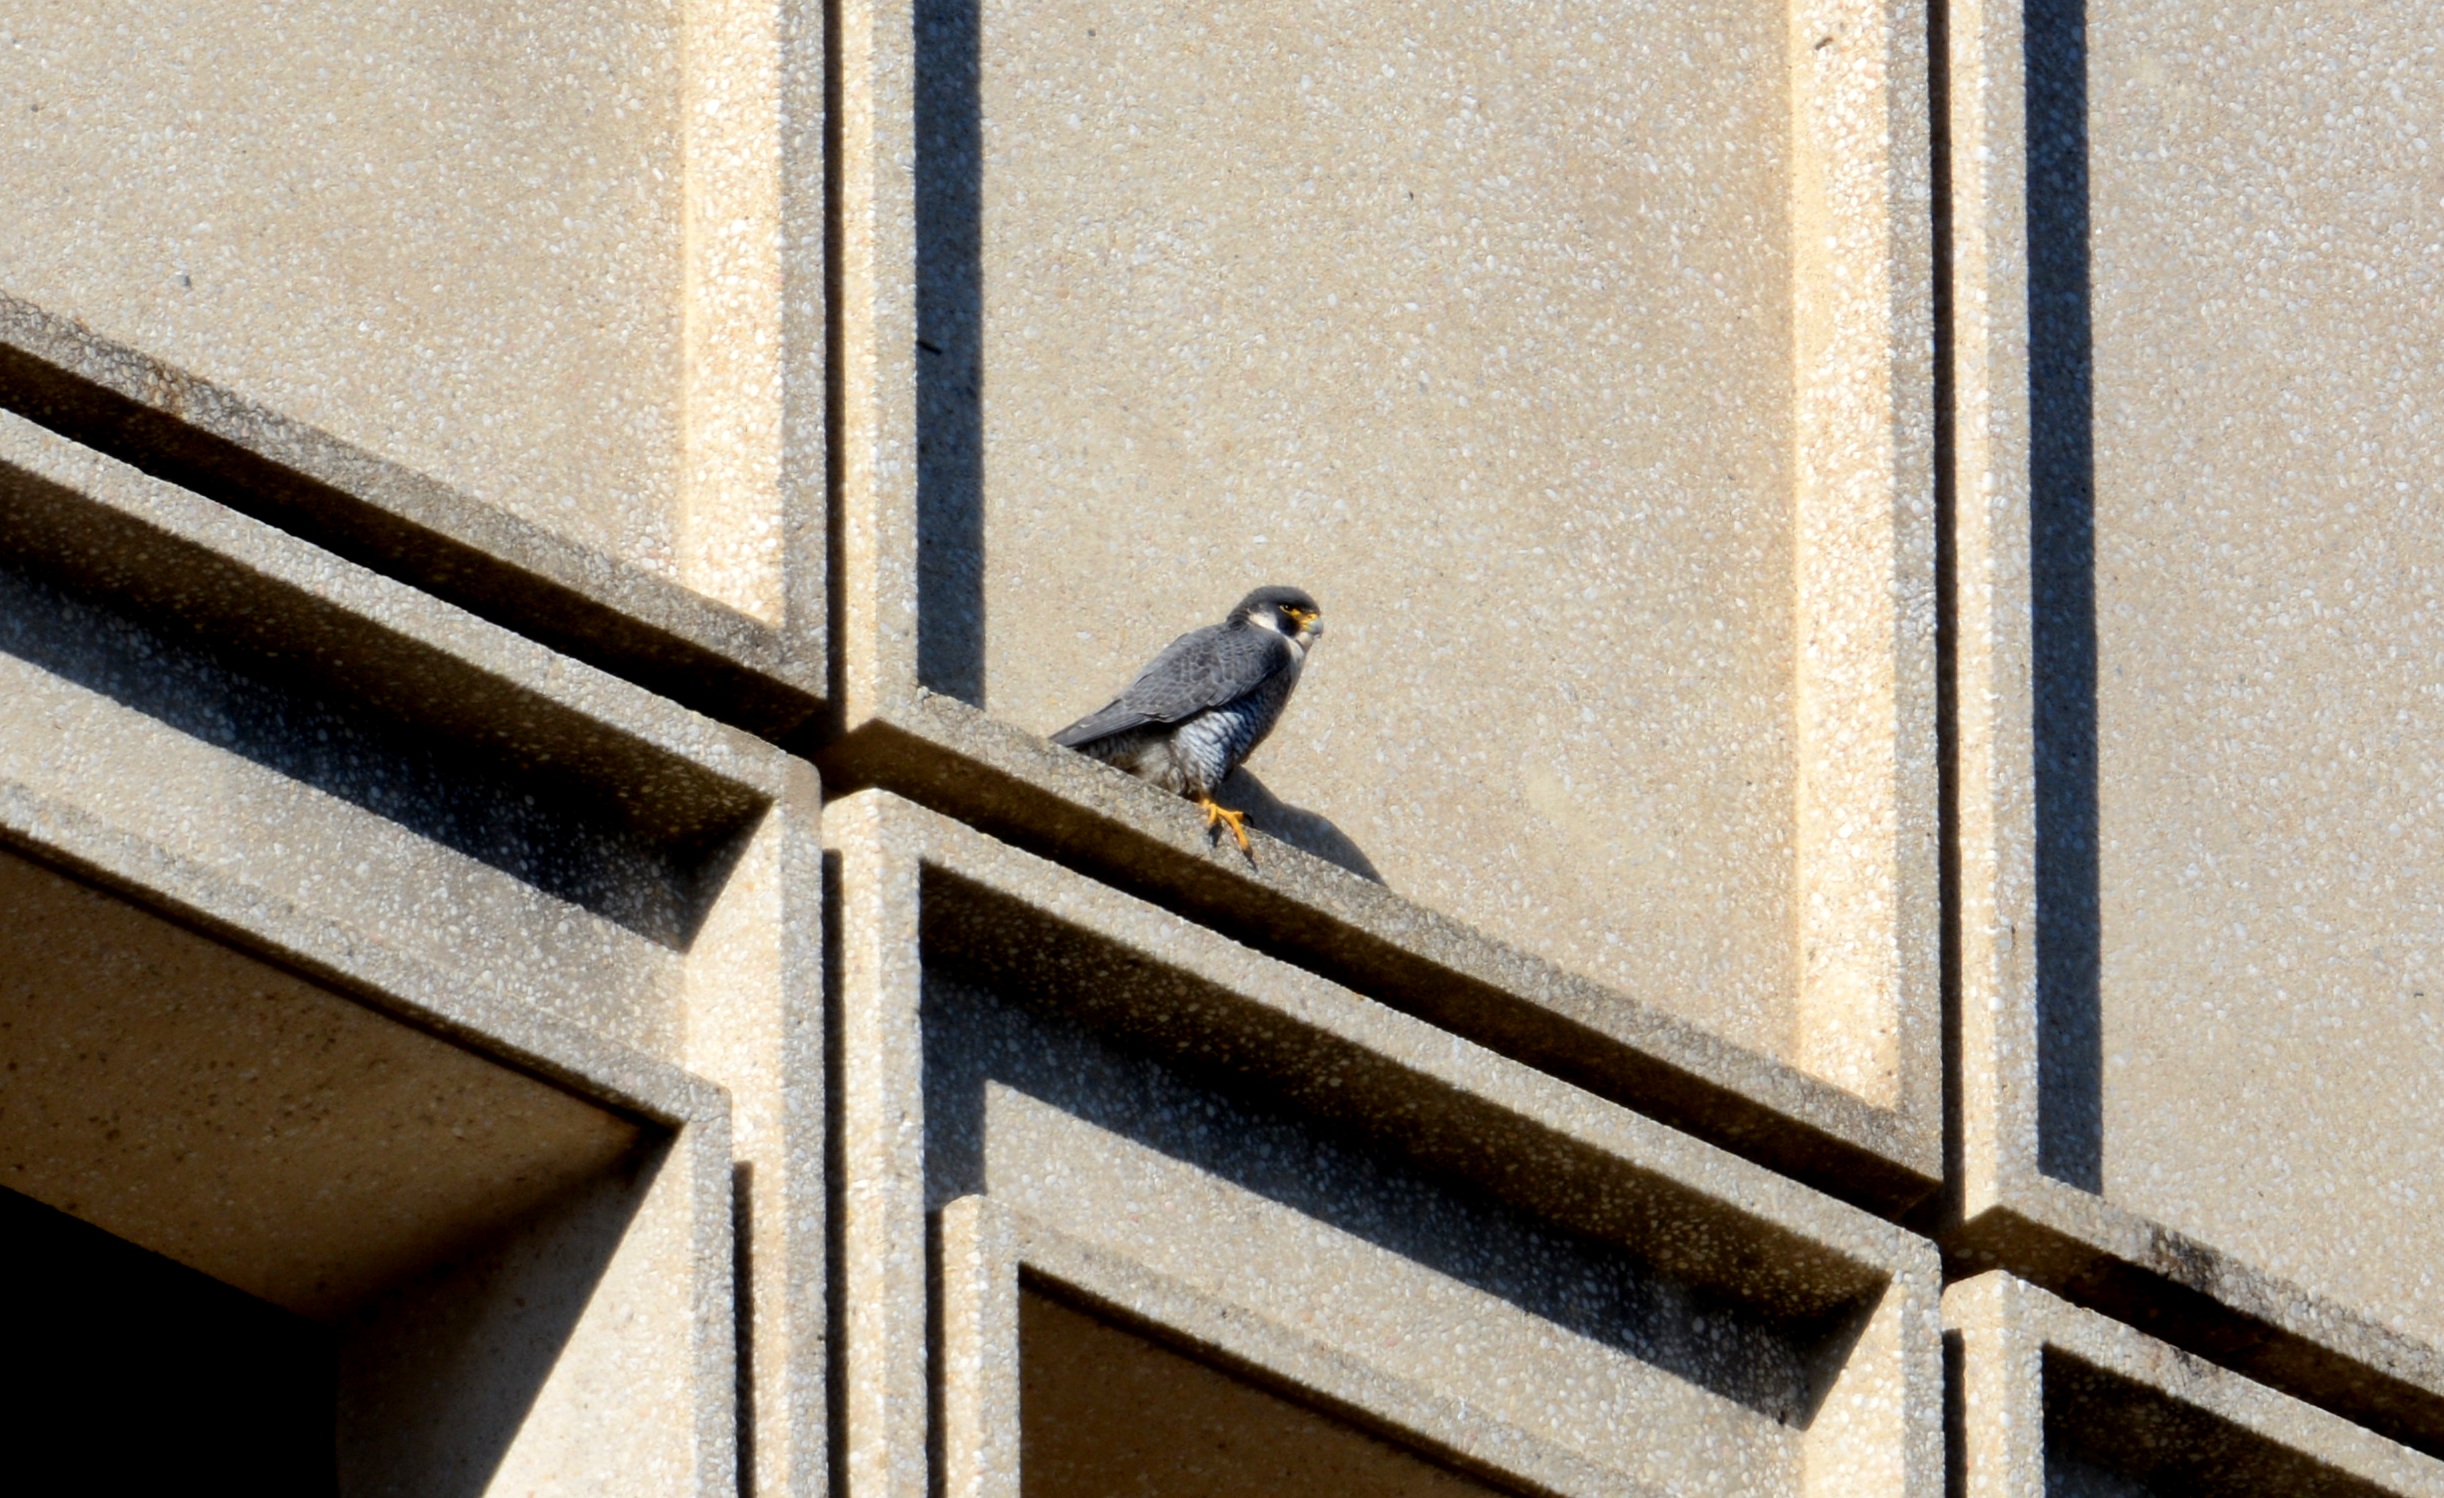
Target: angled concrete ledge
column 374, row 511
column 992, row 1258
column 1443, row 1245
column 1304, row 910
column 477, row 867
column 2049, row 1398
column 594, row 410
column 2211, row 1304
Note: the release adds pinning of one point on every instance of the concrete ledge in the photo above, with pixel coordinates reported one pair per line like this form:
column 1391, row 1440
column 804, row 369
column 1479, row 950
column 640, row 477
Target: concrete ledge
column 380, row 515
column 554, row 1302
column 988, row 1252
column 2210, row 1304
column 2050, row 1398
column 437, row 824
column 1306, row 911
column 1786, row 1002
column 1012, row 1029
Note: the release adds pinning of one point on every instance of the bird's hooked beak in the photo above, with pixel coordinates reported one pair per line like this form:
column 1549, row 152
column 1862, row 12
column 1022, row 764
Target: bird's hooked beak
column 1309, row 622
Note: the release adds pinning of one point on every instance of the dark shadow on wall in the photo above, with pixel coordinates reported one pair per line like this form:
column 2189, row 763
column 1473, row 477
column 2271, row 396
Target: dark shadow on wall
column 1307, row 831
column 2062, row 557
column 136, row 1373
column 950, row 349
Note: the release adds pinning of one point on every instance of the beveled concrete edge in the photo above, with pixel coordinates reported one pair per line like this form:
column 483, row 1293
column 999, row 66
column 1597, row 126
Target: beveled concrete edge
column 998, row 1245
column 459, row 1005
column 2208, row 1303
column 297, row 568
column 1313, row 914
column 2000, row 1305
column 2004, row 1211
column 893, row 827
column 278, row 571
column 694, row 1112
column 803, row 226
column 885, row 845
column 455, row 1006
column 394, row 520
column 800, row 1461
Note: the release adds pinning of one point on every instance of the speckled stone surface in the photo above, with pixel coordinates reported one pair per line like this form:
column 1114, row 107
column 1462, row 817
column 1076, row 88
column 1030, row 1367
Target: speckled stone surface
column 2056, row 1400
column 449, row 233
column 565, row 265
column 1322, row 916
column 516, row 1284
column 225, row 1114
column 415, row 423
column 1439, row 316
column 410, row 812
column 1617, row 503
column 1116, row 1410
column 2199, row 1034
column 2267, row 579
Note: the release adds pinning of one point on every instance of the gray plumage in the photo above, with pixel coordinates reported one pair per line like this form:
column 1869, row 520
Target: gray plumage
column 1200, row 708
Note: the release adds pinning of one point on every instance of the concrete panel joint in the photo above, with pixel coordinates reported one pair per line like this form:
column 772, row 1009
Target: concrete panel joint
column 2048, row 1398
column 2163, row 1115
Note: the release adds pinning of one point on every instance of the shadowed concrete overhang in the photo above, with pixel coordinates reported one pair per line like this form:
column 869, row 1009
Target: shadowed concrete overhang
column 227, row 1114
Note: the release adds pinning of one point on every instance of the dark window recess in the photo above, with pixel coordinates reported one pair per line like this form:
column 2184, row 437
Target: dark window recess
column 1106, row 1413
column 127, row 1373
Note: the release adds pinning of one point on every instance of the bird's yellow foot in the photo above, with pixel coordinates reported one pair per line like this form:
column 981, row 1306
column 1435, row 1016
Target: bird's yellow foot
column 1218, row 815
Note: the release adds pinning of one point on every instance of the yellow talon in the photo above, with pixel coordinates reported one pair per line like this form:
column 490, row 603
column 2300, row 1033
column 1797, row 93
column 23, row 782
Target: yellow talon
column 1217, row 814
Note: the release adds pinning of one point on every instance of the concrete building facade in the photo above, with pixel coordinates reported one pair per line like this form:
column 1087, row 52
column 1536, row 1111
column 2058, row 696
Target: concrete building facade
column 1845, row 909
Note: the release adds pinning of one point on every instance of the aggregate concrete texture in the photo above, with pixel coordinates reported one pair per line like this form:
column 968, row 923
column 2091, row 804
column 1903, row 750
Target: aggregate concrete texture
column 411, row 812
column 1580, row 364
column 2196, row 633
column 1287, row 1180
column 527, row 1281
column 233, row 1117
column 252, row 195
column 2266, row 609
column 456, row 458
column 548, row 284
column 1115, row 1410
column 1320, row 916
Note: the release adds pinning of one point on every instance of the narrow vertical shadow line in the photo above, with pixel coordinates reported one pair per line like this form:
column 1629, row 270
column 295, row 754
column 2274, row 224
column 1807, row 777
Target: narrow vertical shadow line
column 835, row 398
column 742, row 1313
column 2062, row 554
column 1955, row 1417
column 950, row 349
column 1931, row 1213
column 835, row 1196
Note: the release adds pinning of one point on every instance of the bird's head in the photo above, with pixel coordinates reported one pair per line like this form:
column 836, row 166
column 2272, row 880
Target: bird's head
column 1289, row 612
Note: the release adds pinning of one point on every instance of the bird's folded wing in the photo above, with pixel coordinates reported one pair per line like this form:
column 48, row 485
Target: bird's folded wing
column 1200, row 670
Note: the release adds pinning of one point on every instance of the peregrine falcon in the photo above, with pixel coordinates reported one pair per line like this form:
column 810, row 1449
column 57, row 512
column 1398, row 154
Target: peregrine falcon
column 1200, row 708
